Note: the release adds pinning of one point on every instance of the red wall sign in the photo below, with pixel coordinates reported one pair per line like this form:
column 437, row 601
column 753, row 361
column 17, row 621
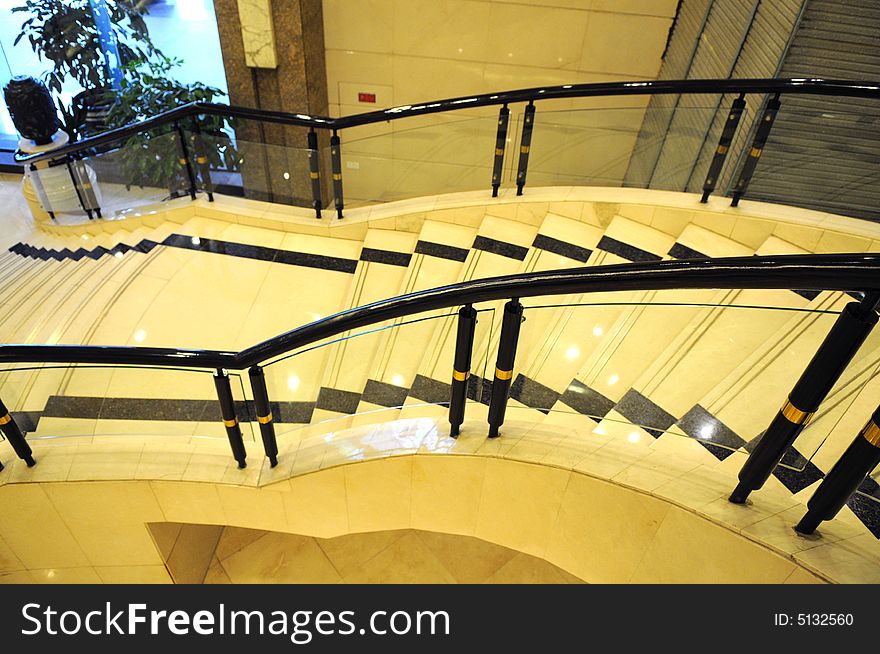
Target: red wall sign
column 367, row 97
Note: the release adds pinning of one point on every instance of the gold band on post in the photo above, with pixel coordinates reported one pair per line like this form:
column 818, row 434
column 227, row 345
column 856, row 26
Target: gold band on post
column 313, row 175
column 337, row 176
column 871, row 433
column 755, row 152
column 5, row 420
column 182, row 162
column 231, row 423
column 202, row 160
column 722, row 149
column 524, row 149
column 499, row 152
column 795, row 415
column 460, row 376
column 503, row 374
column 265, row 420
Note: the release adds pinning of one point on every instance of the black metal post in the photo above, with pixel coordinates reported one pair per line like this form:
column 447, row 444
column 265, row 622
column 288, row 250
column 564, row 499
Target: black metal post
column 727, row 134
column 264, row 414
column 500, row 144
column 336, row 166
column 510, row 324
column 860, row 458
column 202, row 160
column 761, row 134
column 461, row 368
column 315, row 172
column 185, row 160
column 15, row 437
column 85, row 184
column 37, row 185
column 230, row 419
column 76, row 187
column 524, row 147
column 840, row 345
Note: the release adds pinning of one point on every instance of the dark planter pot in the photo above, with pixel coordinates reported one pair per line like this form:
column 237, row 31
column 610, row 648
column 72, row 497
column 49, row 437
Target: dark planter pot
column 32, row 109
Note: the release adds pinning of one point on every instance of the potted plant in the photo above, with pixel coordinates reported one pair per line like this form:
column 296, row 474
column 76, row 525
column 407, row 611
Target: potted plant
column 153, row 158
column 66, row 34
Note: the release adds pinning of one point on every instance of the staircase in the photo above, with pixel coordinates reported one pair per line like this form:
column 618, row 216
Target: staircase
column 696, row 373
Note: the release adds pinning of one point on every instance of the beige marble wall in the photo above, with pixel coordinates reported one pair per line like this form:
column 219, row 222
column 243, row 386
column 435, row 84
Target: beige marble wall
column 594, row 530
column 413, row 51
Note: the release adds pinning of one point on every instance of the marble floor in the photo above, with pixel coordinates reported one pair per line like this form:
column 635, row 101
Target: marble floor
column 687, row 376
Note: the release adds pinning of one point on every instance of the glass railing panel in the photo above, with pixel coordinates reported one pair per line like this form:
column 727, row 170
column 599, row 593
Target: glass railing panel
column 257, row 171
column 710, row 365
column 418, row 157
column 818, row 155
column 108, row 404
column 626, row 146
column 140, row 173
column 401, row 369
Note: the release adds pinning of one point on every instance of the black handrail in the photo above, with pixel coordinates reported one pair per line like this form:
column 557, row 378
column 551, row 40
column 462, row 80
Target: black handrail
column 833, row 272
column 812, row 86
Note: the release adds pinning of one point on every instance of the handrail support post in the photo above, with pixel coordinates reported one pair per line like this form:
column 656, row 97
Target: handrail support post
column 856, row 463
column 336, row 166
column 727, row 134
column 264, row 414
column 315, row 172
column 16, row 439
column 229, row 416
column 461, row 370
column 525, row 146
column 847, row 334
column 185, row 160
column 500, row 145
column 510, row 326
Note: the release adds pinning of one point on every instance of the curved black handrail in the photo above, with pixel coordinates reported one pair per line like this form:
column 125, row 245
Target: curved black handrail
column 833, row 272
column 813, row 86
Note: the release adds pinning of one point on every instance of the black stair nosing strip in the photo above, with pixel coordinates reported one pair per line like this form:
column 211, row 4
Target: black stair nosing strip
column 870, row 487
column 384, row 394
column 682, row 251
column 806, row 294
column 27, row 421
column 389, row 257
column 432, row 391
column 625, row 250
column 126, row 408
column 586, row 401
column 867, row 510
column 644, row 413
column 441, row 251
column 561, row 248
column 501, row 248
column 533, row 394
column 710, row 432
column 339, row 401
column 261, row 253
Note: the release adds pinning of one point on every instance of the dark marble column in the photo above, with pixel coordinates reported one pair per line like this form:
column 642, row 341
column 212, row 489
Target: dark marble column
column 297, row 84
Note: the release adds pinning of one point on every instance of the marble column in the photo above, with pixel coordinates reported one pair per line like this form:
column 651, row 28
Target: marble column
column 273, row 55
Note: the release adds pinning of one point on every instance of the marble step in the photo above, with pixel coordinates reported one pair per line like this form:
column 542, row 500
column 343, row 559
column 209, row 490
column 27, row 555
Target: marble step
column 382, row 273
column 564, row 337
column 442, row 253
column 714, row 342
column 638, row 335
